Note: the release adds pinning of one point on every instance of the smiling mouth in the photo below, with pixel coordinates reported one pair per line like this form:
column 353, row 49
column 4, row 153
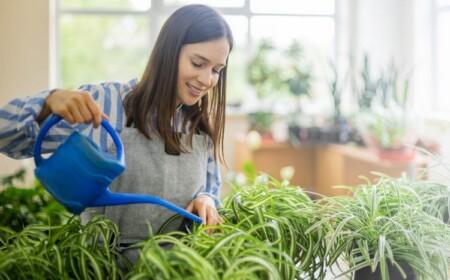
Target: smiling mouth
column 193, row 90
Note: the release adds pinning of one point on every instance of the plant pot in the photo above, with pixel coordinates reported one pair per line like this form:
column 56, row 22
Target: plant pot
column 297, row 134
column 398, row 152
column 446, row 218
column 316, row 135
column 338, row 131
column 366, row 273
column 405, row 155
column 261, row 121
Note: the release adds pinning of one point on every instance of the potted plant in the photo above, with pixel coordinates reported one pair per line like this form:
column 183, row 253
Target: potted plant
column 66, row 251
column 261, row 121
column 435, row 197
column 297, row 79
column 279, row 75
column 382, row 232
column 389, row 131
column 263, row 237
column 384, row 121
column 263, row 73
column 339, row 130
column 368, row 90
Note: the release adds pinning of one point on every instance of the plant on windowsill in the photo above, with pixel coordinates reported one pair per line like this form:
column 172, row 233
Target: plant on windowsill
column 339, row 130
column 278, row 74
column 384, row 231
column 384, row 121
column 297, row 79
column 263, row 75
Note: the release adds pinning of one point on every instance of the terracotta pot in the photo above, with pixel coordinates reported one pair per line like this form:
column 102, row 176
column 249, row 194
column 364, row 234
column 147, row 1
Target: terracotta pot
column 404, row 154
column 398, row 152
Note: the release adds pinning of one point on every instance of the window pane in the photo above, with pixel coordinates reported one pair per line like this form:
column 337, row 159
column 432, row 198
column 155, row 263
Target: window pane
column 215, row 3
column 318, row 32
column 102, row 48
column 293, row 6
column 443, row 61
column 316, row 37
column 443, row 2
column 139, row 5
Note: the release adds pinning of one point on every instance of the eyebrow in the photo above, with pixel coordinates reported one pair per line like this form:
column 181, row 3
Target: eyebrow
column 207, row 60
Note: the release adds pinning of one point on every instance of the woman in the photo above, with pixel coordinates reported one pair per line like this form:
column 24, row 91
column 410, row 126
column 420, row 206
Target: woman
column 171, row 123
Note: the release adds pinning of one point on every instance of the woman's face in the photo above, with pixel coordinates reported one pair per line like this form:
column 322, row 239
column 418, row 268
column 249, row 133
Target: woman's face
column 199, row 69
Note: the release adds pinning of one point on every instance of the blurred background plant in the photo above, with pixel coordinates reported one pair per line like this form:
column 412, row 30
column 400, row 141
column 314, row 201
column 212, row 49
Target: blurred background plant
column 278, row 75
column 297, row 74
column 383, row 119
column 21, row 206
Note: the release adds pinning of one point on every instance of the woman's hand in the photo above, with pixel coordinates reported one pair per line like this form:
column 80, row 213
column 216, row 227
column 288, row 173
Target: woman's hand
column 205, row 208
column 72, row 106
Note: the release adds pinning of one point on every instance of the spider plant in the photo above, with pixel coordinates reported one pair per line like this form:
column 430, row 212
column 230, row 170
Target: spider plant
column 385, row 224
column 228, row 253
column 263, row 237
column 292, row 210
column 69, row 251
column 435, row 198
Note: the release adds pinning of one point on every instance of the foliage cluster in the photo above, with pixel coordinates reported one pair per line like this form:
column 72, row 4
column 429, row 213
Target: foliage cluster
column 272, row 230
column 23, row 206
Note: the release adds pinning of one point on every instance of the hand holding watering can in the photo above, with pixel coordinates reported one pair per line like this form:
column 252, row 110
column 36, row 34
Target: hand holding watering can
column 78, row 174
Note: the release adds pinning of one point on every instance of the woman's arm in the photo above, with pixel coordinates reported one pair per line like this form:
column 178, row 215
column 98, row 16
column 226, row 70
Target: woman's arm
column 205, row 203
column 18, row 126
column 21, row 118
column 213, row 181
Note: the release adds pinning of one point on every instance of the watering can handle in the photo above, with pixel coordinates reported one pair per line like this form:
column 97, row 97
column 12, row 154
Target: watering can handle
column 55, row 119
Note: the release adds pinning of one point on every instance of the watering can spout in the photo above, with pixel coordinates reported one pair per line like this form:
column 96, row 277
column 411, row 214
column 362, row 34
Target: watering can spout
column 108, row 198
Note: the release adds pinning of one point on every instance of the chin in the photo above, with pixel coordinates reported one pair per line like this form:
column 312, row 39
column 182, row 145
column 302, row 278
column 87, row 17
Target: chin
column 190, row 102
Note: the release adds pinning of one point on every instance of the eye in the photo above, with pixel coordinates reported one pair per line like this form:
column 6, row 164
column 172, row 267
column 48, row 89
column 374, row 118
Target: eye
column 196, row 65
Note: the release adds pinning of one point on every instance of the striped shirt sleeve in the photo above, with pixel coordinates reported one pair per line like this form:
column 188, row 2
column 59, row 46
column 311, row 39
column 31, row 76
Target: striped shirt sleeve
column 213, row 181
column 19, row 129
column 18, row 126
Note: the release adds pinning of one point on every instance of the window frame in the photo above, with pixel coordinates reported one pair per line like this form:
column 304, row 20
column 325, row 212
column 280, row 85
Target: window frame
column 436, row 11
column 158, row 10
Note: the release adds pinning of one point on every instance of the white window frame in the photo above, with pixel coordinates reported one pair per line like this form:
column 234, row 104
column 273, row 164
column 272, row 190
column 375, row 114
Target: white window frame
column 436, row 11
column 159, row 10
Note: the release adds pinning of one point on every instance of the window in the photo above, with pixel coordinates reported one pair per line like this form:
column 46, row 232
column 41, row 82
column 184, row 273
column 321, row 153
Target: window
column 101, row 40
column 441, row 57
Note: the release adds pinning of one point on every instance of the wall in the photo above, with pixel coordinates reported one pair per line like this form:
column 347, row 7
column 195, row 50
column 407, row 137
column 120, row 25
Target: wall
column 385, row 31
column 24, row 56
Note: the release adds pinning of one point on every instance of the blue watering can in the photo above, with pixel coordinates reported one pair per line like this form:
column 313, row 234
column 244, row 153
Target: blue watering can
column 78, row 173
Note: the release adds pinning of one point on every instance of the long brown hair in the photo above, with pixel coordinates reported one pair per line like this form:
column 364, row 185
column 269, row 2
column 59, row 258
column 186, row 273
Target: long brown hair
column 152, row 103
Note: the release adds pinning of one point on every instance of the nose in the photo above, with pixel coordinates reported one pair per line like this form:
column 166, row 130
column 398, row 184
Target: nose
column 205, row 78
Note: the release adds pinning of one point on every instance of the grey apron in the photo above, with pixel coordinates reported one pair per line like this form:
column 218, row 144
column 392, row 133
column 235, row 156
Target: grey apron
column 150, row 170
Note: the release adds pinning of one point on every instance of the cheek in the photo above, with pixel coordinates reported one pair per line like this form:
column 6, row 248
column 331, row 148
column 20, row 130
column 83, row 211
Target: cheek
column 183, row 71
column 215, row 81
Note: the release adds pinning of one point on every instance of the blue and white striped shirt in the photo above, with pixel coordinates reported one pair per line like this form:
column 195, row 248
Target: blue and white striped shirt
column 19, row 129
